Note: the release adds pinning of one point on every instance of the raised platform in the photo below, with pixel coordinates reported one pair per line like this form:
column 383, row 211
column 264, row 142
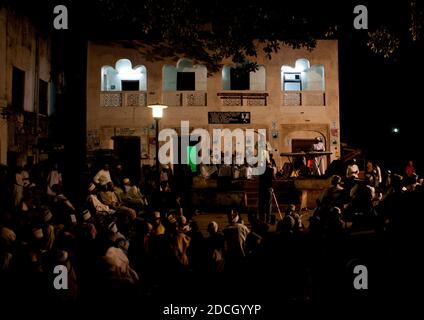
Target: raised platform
column 210, row 195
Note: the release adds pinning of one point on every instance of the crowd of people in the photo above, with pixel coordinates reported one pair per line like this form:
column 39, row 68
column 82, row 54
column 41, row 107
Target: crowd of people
column 142, row 242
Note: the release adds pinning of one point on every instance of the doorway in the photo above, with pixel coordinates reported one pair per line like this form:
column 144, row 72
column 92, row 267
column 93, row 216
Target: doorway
column 299, row 145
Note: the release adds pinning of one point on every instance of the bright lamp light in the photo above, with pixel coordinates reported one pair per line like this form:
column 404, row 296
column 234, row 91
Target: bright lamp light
column 157, row 110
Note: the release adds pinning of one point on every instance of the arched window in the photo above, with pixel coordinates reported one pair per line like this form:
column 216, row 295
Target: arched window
column 236, row 78
column 123, row 77
column 184, row 76
column 303, row 77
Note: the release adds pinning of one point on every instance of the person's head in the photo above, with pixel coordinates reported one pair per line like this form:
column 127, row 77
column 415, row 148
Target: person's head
column 47, row 215
column 290, row 209
column 156, row 218
column 213, row 227
column 113, row 227
column 126, row 182
column 318, row 139
column 118, row 168
column 182, row 224
column 106, row 167
column 86, row 216
column 335, row 180
column 233, row 216
column 172, row 220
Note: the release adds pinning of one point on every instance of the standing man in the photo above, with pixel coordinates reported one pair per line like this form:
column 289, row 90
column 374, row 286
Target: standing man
column 54, row 177
column 265, row 193
column 318, row 162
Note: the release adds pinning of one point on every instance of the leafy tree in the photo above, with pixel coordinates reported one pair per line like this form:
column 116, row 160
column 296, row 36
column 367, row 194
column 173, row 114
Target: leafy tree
column 209, row 31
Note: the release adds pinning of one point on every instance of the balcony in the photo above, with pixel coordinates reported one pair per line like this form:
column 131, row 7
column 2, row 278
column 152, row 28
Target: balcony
column 234, row 99
column 185, row 98
column 303, row 98
column 123, row 99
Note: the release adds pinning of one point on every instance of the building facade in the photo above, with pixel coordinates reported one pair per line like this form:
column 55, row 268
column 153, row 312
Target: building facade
column 294, row 96
column 25, row 88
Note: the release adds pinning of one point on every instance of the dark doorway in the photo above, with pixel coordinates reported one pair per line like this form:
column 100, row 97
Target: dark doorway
column 130, row 85
column 43, row 101
column 299, row 145
column 128, row 151
column 18, row 89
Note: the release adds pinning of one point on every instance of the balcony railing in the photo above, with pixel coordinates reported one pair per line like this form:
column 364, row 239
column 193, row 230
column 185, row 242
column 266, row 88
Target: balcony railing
column 303, row 98
column 185, row 98
column 243, row 98
column 123, row 99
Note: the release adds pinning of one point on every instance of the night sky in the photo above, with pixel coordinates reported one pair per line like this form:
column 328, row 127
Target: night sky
column 377, row 95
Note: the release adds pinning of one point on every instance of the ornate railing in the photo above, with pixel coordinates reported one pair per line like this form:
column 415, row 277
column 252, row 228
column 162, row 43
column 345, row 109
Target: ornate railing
column 185, row 98
column 303, row 98
column 123, row 99
column 243, row 98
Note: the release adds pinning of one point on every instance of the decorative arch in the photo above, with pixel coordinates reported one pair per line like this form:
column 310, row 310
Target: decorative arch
column 289, row 132
column 257, row 79
column 113, row 78
column 184, row 76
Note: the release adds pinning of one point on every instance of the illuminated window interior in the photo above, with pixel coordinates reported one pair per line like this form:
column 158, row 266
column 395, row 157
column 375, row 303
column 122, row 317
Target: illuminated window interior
column 124, row 77
column 302, row 77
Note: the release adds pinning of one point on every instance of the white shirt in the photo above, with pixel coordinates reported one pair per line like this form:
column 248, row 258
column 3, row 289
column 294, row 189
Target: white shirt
column 53, row 178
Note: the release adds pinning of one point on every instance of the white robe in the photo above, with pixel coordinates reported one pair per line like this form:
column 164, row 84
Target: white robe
column 53, row 178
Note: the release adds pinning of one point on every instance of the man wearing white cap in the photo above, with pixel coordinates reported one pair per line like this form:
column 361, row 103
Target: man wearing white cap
column 132, row 197
column 103, row 176
column 108, row 197
column 95, row 203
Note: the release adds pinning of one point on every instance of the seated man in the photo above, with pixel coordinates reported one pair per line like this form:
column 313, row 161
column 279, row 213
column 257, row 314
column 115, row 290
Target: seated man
column 95, row 204
column 109, row 197
column 131, row 196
